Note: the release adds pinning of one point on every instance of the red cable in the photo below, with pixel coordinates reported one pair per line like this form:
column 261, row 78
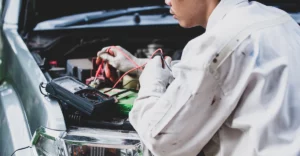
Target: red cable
column 159, row 49
column 126, row 74
column 99, row 69
column 136, row 67
column 111, row 53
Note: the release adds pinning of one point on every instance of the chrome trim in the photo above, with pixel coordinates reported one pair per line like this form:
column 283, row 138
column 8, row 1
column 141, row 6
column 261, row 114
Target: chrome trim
column 97, row 139
column 50, row 134
column 90, row 137
column 102, row 138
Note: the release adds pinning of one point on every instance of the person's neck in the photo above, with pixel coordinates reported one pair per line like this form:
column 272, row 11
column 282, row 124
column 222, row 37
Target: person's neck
column 211, row 5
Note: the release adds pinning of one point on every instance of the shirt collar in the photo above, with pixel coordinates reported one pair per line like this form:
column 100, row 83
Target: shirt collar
column 221, row 10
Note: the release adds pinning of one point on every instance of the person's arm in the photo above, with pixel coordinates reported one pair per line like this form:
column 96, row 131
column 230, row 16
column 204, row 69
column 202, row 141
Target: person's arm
column 181, row 119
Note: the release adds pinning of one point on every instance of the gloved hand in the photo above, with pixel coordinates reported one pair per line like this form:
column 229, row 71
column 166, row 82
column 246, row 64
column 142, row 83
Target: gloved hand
column 154, row 79
column 119, row 61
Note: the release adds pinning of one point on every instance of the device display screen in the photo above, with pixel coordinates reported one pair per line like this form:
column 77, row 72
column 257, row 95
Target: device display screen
column 70, row 84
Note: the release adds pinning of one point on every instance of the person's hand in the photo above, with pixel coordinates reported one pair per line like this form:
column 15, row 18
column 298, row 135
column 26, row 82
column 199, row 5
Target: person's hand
column 121, row 59
column 154, row 78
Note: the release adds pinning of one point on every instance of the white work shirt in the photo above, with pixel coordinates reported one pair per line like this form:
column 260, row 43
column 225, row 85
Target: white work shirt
column 246, row 104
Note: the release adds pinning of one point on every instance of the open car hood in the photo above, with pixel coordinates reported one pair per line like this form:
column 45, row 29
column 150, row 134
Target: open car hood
column 36, row 11
column 49, row 9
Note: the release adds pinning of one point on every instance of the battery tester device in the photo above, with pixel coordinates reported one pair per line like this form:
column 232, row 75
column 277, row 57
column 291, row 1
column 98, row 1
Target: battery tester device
column 79, row 95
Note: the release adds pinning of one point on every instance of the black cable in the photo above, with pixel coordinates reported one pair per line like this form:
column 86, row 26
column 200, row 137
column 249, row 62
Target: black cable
column 122, row 92
column 108, row 90
column 48, row 95
column 30, row 146
column 123, row 86
column 40, row 87
column 129, row 82
column 20, row 150
column 162, row 58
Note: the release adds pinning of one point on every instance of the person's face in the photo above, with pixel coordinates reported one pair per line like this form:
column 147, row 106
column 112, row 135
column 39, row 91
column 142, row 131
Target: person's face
column 191, row 13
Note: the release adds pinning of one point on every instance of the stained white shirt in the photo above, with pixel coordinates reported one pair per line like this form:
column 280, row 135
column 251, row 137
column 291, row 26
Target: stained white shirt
column 227, row 98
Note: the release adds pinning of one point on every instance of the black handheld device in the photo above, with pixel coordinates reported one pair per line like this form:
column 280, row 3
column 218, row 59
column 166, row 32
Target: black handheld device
column 79, row 95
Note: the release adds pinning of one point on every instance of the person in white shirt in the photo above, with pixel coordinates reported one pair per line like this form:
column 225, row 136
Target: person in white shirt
column 235, row 91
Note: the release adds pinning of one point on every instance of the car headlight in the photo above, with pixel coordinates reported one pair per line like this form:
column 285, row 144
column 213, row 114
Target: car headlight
column 86, row 142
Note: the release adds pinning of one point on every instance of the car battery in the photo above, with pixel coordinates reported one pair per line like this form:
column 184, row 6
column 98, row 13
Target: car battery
column 125, row 98
column 80, row 68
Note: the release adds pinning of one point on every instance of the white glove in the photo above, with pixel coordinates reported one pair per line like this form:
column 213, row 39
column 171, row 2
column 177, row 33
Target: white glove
column 154, row 79
column 120, row 61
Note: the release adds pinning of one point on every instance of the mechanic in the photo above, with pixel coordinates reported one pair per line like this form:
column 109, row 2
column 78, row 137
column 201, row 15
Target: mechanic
column 236, row 89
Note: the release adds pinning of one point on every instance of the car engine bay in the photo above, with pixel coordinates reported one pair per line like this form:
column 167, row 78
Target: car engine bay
column 57, row 98
column 72, row 53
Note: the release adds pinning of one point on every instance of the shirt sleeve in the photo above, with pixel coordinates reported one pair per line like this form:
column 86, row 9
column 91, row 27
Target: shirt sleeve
column 186, row 116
